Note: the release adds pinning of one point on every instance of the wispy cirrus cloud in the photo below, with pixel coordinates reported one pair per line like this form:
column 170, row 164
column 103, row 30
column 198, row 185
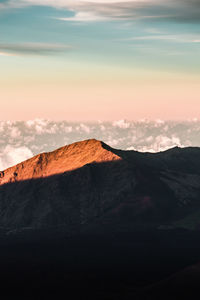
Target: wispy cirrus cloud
column 7, row 49
column 6, row 54
column 187, row 11
column 181, row 38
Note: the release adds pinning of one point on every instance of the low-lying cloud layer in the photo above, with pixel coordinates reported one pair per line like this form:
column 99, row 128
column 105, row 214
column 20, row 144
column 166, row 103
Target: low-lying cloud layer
column 21, row 140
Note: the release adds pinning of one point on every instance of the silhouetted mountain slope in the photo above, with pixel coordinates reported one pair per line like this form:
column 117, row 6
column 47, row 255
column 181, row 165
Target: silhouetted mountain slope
column 91, row 185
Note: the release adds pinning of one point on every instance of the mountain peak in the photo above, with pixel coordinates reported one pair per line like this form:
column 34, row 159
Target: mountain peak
column 64, row 159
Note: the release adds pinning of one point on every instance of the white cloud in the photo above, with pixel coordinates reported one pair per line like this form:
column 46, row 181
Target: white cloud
column 37, row 122
column 83, row 16
column 121, row 124
column 68, row 129
column 112, row 142
column 11, row 156
column 159, row 121
column 164, row 142
column 160, row 143
column 131, row 148
column 42, row 126
column 149, row 139
column 15, row 132
column 103, row 128
column 85, row 128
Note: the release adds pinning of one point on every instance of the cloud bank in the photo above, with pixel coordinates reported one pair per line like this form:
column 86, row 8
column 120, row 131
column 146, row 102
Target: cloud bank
column 21, row 140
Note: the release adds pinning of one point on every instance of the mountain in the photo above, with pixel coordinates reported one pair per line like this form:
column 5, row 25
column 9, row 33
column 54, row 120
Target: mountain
column 95, row 222
column 88, row 186
column 65, row 159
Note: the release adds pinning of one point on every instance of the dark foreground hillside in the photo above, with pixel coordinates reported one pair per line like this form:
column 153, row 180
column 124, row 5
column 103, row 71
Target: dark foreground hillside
column 107, row 266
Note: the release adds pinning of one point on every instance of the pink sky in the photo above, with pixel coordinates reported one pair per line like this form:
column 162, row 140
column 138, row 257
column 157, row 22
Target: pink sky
column 105, row 101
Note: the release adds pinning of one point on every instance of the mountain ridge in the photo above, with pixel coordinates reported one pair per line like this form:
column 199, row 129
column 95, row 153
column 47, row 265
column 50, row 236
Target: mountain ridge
column 63, row 159
column 91, row 146
column 89, row 182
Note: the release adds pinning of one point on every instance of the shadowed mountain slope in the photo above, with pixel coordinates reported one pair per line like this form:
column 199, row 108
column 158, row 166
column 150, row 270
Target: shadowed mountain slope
column 91, row 185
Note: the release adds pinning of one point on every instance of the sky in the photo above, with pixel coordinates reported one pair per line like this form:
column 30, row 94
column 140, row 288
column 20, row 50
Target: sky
column 99, row 60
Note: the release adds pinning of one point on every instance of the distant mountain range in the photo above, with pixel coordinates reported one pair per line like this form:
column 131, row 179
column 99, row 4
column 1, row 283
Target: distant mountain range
column 89, row 186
